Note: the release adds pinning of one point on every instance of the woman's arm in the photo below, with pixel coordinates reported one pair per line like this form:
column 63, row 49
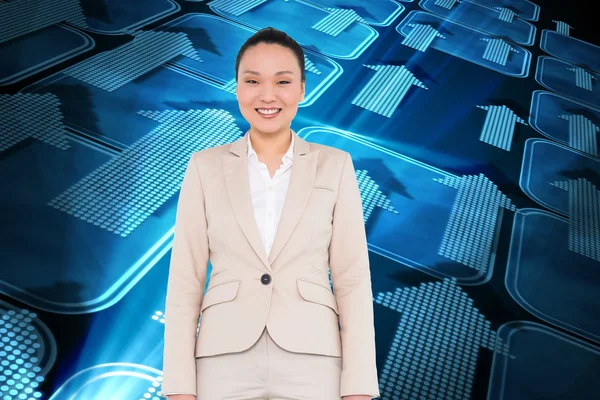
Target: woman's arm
column 351, row 278
column 185, row 288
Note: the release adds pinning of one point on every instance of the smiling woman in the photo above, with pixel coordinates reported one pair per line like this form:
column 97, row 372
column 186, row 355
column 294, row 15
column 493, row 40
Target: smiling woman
column 270, row 325
column 270, row 84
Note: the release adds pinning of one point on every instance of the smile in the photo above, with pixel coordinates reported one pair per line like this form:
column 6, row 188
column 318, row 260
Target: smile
column 268, row 111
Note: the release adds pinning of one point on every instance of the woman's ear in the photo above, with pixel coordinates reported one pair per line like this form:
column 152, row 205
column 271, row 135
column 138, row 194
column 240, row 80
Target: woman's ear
column 303, row 91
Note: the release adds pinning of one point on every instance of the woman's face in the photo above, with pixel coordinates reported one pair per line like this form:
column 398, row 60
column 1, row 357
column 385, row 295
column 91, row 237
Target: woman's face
column 269, row 87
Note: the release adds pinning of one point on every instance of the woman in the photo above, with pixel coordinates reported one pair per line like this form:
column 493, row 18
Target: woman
column 272, row 212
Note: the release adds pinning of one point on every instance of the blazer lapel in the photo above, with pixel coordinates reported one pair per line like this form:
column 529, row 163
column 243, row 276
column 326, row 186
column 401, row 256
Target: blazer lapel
column 302, row 178
column 238, row 186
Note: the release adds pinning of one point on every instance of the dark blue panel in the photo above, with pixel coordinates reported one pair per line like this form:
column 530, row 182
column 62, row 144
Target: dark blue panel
column 485, row 19
column 425, row 204
column 550, row 280
column 112, row 117
column 546, row 109
column 66, row 274
column 559, row 77
column 117, row 17
column 548, row 364
column 218, row 40
column 40, row 50
column 130, row 381
column 546, row 162
column 378, row 13
column 464, row 42
column 525, row 9
column 567, row 48
column 349, row 44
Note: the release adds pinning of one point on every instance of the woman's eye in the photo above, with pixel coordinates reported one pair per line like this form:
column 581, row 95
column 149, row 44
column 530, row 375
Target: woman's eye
column 284, row 82
column 251, row 81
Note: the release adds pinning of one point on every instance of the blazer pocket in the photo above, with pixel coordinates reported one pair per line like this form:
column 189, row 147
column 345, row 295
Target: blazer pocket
column 322, row 187
column 220, row 293
column 317, row 293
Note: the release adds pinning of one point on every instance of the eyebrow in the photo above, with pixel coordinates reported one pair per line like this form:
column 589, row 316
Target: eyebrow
column 277, row 73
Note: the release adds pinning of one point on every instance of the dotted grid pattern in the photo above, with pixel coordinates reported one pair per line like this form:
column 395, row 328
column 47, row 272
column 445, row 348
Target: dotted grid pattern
column 113, row 69
column 469, row 235
column 582, row 134
column 336, row 22
column 506, row 14
column 421, row 36
column 447, row 4
column 434, row 351
column 125, row 191
column 497, row 51
column 159, row 316
column 235, row 7
column 39, row 15
column 583, row 79
column 153, row 392
column 22, row 350
column 31, row 115
column 584, row 216
column 371, row 195
column 384, row 91
column 499, row 126
column 309, row 66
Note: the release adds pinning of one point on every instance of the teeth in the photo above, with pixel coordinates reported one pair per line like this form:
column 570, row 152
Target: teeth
column 265, row 111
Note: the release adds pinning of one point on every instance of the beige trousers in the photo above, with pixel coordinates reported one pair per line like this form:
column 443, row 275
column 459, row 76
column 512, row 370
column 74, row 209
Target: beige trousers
column 267, row 372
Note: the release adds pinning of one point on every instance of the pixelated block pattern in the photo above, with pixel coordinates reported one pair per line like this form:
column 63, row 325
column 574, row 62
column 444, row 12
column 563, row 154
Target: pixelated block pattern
column 506, row 14
column 563, row 28
column 31, row 116
column 499, row 126
column 582, row 134
column 371, row 195
column 434, row 351
column 583, row 79
column 38, row 14
column 153, row 392
column 421, row 36
column 27, row 353
column 384, row 91
column 584, row 216
column 447, row 4
column 128, row 189
column 230, row 86
column 336, row 22
column 159, row 316
column 497, row 51
column 469, row 235
column 235, row 7
column 309, row 66
column 113, row 69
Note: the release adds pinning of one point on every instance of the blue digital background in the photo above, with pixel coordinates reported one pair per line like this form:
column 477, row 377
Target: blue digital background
column 474, row 130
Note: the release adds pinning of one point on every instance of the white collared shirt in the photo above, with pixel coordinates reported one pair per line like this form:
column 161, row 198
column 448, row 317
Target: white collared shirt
column 268, row 194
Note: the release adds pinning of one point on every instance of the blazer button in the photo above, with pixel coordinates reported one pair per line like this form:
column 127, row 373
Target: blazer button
column 265, row 279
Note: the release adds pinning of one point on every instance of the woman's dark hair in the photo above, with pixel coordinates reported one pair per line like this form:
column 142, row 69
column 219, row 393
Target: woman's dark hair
column 272, row 36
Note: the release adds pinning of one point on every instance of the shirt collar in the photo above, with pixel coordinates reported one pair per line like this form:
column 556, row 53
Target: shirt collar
column 288, row 156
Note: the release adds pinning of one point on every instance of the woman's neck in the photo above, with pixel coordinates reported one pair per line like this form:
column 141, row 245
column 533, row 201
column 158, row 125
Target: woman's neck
column 271, row 144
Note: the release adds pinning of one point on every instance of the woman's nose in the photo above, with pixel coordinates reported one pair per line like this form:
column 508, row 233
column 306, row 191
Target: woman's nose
column 267, row 94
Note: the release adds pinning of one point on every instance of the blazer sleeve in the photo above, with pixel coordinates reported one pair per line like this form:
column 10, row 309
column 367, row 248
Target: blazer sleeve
column 351, row 279
column 185, row 286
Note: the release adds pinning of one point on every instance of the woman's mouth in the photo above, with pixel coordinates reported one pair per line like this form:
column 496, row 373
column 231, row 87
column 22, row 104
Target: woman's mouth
column 268, row 112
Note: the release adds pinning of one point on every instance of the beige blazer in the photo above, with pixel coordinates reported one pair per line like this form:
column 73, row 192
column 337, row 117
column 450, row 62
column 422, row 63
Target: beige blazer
column 321, row 226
